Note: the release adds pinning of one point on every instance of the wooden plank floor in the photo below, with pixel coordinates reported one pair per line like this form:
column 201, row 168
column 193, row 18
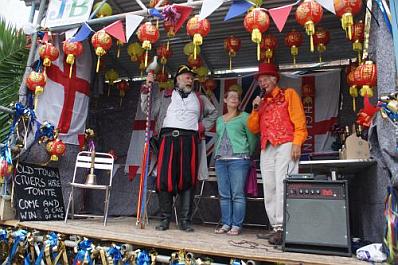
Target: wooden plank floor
column 203, row 241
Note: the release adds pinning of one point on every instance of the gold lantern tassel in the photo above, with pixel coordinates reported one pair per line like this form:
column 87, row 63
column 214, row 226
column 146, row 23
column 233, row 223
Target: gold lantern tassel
column 168, row 44
column 70, row 59
column 163, row 68
column 347, row 21
column 354, row 94
column 38, row 91
column 294, row 53
column 310, row 30
column 230, row 62
column 98, row 63
column 197, row 41
column 146, row 58
column 256, row 38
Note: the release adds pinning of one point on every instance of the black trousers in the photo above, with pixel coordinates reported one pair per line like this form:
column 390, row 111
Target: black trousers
column 166, row 205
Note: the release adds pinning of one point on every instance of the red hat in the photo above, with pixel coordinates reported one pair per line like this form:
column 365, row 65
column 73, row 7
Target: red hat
column 267, row 69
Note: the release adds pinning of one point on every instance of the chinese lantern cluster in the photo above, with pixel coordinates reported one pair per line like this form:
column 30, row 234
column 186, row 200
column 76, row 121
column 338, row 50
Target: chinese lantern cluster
column 35, row 83
column 321, row 40
column 48, row 53
column 197, row 29
column 135, row 51
column 293, row 40
column 111, row 76
column 346, row 10
column 72, row 50
column 267, row 46
column 308, row 14
column 256, row 21
column 231, row 46
column 148, row 34
column 163, row 53
column 101, row 42
column 358, row 32
column 55, row 148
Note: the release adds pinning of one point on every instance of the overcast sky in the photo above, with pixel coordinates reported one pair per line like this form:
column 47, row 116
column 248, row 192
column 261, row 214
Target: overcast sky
column 15, row 12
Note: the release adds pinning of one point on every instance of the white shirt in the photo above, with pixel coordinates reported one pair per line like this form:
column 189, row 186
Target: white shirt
column 182, row 113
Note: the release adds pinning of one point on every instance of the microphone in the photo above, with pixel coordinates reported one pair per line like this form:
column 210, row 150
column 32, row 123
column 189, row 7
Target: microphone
column 261, row 95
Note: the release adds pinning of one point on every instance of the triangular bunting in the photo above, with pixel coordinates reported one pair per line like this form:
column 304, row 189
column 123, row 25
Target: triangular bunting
column 327, row 4
column 116, row 29
column 237, row 8
column 279, row 15
column 155, row 13
column 132, row 23
column 83, row 33
column 185, row 12
column 208, row 7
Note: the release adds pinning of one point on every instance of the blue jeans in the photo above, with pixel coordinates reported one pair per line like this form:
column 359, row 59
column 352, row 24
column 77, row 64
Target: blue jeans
column 231, row 180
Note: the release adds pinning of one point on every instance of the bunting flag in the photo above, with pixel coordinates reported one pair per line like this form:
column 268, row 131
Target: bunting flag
column 83, row 33
column 208, row 7
column 237, row 8
column 185, row 12
column 116, row 30
column 327, row 4
column 155, row 13
column 132, row 23
column 279, row 16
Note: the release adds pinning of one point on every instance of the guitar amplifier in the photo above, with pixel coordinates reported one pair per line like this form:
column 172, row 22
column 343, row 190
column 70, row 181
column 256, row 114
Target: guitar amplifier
column 316, row 217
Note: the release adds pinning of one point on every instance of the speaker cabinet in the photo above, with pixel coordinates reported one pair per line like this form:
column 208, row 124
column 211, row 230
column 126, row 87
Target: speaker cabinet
column 316, row 217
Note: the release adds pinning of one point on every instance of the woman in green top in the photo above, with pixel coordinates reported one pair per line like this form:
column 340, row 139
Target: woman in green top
column 235, row 143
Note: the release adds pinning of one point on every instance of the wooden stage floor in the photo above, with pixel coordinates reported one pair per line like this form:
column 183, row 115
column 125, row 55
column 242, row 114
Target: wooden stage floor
column 202, row 242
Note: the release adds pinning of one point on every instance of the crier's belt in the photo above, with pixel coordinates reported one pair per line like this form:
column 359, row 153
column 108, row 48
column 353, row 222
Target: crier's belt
column 177, row 132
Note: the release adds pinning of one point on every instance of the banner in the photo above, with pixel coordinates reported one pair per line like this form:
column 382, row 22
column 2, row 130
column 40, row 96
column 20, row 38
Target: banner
column 66, row 12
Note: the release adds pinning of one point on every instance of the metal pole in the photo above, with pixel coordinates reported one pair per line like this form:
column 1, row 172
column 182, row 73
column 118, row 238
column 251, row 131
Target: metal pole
column 22, row 88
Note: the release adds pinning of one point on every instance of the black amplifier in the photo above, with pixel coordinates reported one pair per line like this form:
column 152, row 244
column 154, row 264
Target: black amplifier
column 316, row 217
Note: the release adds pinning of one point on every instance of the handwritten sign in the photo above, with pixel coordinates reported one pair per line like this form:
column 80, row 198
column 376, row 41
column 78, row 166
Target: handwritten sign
column 66, row 12
column 38, row 193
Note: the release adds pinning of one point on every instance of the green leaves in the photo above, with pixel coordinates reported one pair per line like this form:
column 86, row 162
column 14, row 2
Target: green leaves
column 13, row 57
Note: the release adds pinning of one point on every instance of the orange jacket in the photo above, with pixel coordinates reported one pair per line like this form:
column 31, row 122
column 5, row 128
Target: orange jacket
column 296, row 113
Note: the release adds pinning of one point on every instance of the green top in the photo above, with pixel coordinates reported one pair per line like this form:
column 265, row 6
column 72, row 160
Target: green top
column 241, row 139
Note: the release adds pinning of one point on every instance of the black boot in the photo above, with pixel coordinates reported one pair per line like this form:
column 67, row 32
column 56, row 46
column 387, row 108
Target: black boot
column 165, row 205
column 186, row 199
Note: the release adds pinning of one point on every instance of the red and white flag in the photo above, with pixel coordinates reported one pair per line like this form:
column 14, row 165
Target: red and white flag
column 65, row 100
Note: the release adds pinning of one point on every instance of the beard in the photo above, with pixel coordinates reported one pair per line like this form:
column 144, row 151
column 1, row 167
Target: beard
column 185, row 88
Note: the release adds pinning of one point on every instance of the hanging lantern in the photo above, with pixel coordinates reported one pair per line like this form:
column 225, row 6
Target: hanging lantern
column 163, row 53
column 189, row 49
column 162, row 77
column 353, row 88
column 35, row 83
column 169, row 27
column 105, row 10
column 293, row 40
column 147, row 34
column 308, row 14
column 48, row 53
column 101, row 42
column 366, row 76
column 194, row 62
column 210, row 85
column 135, row 50
column 358, row 37
column 153, row 3
column 256, row 22
column 347, row 9
column 122, row 86
column 202, row 73
column 72, row 50
column 197, row 29
column 55, row 148
column 321, row 40
column 111, row 76
column 269, row 43
column 232, row 46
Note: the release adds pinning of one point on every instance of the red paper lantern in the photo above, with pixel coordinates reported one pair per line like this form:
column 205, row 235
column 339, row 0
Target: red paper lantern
column 147, row 34
column 48, row 53
column 352, row 87
column 197, row 29
column 194, row 62
column 163, row 53
column 210, row 85
column 321, row 40
column 366, row 76
column 55, row 148
column 308, row 14
column 256, row 22
column 358, row 36
column 122, row 86
column 269, row 43
column 294, row 39
column 347, row 9
column 162, row 77
column 72, row 50
column 35, row 83
column 101, row 42
column 232, row 46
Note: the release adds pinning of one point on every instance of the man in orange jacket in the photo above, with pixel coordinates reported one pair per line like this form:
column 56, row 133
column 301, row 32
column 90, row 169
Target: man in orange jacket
column 279, row 118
